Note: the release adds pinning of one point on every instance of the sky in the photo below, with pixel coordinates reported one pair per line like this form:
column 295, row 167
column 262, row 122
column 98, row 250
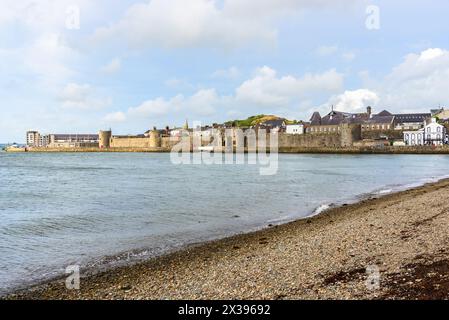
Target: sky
column 80, row 66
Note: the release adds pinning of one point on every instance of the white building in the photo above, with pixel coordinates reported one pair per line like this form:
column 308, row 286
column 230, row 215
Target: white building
column 294, row 129
column 433, row 133
column 177, row 132
column 33, row 138
column 44, row 140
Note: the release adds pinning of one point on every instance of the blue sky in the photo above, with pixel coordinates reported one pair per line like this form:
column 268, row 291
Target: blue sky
column 131, row 65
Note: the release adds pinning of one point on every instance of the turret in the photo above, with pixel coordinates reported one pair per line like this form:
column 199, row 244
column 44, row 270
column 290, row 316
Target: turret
column 105, row 139
column 155, row 138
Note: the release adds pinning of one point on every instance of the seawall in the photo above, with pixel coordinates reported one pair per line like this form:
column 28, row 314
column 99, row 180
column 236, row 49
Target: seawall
column 282, row 149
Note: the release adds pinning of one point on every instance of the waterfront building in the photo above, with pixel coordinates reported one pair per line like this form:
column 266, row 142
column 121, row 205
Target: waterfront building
column 331, row 122
column 294, row 129
column 73, row 140
column 410, row 121
column 44, row 140
column 383, row 121
column 433, row 133
column 179, row 132
column 32, row 138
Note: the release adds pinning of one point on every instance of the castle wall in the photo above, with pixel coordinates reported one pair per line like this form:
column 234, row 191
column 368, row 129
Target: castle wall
column 348, row 134
column 169, row 142
column 377, row 134
column 308, row 141
column 130, row 142
column 143, row 142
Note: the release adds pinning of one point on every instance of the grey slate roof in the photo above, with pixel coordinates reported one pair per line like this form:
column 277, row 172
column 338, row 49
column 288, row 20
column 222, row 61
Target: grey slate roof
column 337, row 117
column 411, row 117
column 384, row 113
column 378, row 119
column 75, row 137
column 315, row 120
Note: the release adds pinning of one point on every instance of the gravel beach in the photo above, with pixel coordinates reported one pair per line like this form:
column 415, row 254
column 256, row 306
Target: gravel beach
column 392, row 247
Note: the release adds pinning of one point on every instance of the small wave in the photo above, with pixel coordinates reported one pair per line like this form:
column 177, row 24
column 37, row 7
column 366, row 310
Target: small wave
column 280, row 219
column 384, row 191
column 321, row 209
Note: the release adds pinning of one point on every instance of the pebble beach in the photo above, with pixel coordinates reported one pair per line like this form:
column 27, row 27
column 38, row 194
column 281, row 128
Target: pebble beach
column 391, row 247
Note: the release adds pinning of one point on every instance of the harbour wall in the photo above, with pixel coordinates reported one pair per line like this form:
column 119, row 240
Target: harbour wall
column 323, row 150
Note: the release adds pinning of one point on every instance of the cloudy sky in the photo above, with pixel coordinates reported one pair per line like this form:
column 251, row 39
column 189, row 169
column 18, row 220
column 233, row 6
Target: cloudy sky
column 84, row 65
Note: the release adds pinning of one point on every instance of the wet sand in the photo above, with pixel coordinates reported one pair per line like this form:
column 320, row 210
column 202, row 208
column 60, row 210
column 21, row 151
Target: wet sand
column 336, row 255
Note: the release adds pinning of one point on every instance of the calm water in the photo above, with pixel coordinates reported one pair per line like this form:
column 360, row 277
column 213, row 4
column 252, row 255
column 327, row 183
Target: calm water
column 101, row 209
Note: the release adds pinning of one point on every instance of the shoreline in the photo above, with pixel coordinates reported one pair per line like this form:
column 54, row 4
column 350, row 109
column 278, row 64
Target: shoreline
column 211, row 266
column 282, row 150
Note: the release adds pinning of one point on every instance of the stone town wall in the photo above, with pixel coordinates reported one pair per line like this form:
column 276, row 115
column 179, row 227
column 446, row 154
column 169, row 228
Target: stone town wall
column 287, row 141
column 130, row 142
column 347, row 135
column 377, row 134
column 165, row 143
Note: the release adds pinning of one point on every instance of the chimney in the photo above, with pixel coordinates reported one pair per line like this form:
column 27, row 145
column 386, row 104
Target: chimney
column 368, row 111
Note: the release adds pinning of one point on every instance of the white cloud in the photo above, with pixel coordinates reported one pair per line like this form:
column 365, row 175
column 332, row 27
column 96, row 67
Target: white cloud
column 112, row 67
column 202, row 103
column 157, row 107
column 351, row 101
column 266, row 89
column 48, row 57
column 417, row 84
column 82, row 96
column 180, row 23
column 431, row 54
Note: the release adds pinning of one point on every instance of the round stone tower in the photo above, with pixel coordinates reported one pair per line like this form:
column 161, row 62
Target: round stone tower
column 105, row 139
column 155, row 139
column 350, row 133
